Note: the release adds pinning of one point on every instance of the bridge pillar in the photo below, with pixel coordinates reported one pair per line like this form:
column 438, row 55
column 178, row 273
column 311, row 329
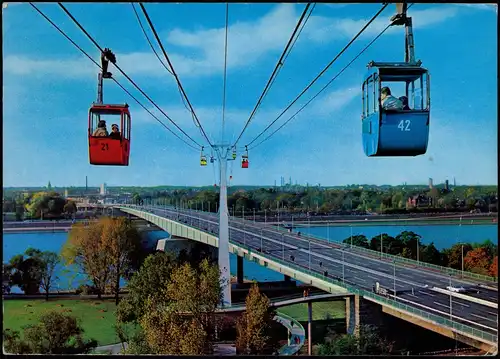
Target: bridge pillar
column 309, row 327
column 239, row 270
column 352, row 315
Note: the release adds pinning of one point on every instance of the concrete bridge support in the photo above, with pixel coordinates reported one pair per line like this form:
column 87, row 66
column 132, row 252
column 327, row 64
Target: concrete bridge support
column 352, row 314
column 309, row 327
column 239, row 270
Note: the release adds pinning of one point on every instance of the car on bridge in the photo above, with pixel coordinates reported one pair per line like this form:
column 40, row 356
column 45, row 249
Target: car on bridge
column 456, row 289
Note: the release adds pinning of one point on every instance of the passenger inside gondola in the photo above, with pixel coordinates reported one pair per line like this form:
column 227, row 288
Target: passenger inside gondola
column 404, row 101
column 101, row 130
column 115, row 132
column 388, row 101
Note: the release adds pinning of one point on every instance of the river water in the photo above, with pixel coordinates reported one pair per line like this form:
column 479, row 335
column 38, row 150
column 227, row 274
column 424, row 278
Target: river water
column 443, row 236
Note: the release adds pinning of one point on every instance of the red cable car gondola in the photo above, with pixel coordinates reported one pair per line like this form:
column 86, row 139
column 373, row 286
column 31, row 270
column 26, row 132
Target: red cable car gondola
column 244, row 159
column 108, row 149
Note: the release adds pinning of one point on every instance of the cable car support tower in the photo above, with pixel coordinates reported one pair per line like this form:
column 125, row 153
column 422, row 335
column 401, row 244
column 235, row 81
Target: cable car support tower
column 222, row 152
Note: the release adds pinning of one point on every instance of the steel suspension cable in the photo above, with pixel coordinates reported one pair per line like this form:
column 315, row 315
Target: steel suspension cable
column 173, row 72
column 158, row 56
column 293, row 44
column 328, row 84
column 116, row 81
column 320, row 74
column 124, row 74
column 274, row 73
column 225, row 76
column 148, row 40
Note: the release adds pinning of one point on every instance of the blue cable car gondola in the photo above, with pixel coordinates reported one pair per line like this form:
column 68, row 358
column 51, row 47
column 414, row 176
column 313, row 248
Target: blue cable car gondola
column 404, row 129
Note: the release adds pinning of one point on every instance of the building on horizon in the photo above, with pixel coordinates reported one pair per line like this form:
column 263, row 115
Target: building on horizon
column 103, row 189
column 430, row 183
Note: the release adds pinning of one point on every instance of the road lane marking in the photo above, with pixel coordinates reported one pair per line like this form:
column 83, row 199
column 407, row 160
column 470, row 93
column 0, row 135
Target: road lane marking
column 361, row 279
column 442, row 305
column 432, row 295
column 489, row 319
column 462, row 304
column 405, row 275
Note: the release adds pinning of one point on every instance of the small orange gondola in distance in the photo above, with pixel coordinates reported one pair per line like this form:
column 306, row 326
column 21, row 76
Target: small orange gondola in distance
column 244, row 159
column 108, row 148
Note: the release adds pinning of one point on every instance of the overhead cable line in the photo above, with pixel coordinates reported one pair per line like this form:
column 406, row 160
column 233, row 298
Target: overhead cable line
column 320, row 74
column 149, row 41
column 225, row 76
column 116, row 81
column 279, row 64
column 292, row 46
column 174, row 73
column 328, row 84
column 124, row 74
column 158, row 57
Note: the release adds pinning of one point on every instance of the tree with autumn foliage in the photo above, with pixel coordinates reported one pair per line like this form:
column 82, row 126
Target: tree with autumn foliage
column 150, row 280
column 171, row 333
column 105, row 250
column 453, row 255
column 494, row 267
column 184, row 323
column 255, row 326
column 478, row 261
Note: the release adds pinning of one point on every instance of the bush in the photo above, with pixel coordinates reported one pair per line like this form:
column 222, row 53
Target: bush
column 86, row 289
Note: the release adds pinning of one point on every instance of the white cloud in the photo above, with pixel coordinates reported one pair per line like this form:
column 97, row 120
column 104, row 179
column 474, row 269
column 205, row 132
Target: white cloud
column 136, row 63
column 335, row 100
column 488, row 7
column 321, row 28
column 248, row 42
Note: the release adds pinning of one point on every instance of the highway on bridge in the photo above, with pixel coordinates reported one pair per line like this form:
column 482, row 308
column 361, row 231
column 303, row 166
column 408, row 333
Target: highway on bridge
column 413, row 285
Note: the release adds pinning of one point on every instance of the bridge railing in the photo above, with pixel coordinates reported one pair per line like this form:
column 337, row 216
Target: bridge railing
column 390, row 257
column 400, row 259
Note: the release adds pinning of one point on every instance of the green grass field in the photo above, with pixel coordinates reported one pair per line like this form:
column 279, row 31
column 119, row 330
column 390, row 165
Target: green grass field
column 97, row 317
column 321, row 310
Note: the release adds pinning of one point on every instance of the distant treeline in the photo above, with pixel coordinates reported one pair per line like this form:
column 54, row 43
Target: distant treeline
column 323, row 201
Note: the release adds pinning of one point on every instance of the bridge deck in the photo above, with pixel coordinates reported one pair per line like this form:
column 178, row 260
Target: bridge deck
column 352, row 268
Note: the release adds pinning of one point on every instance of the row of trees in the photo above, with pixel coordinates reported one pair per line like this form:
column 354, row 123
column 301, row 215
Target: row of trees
column 382, row 200
column 481, row 258
column 39, row 205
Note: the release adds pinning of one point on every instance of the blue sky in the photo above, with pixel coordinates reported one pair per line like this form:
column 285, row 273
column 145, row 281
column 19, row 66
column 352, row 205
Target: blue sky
column 49, row 85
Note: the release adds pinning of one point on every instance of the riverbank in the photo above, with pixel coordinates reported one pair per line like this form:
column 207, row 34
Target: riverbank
column 397, row 222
